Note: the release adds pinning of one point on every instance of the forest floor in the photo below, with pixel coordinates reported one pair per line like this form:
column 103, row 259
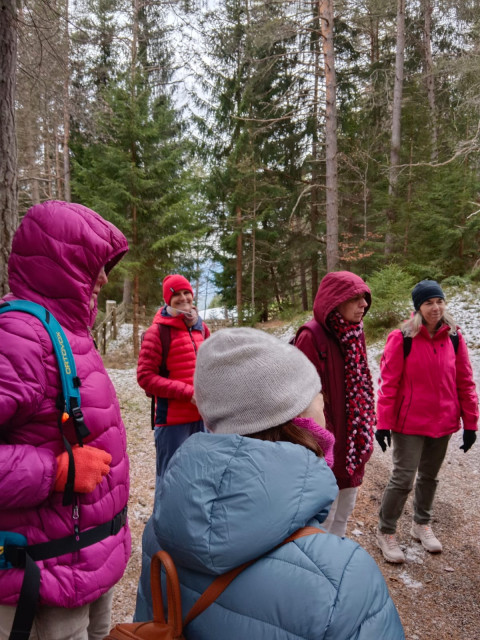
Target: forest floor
column 437, row 596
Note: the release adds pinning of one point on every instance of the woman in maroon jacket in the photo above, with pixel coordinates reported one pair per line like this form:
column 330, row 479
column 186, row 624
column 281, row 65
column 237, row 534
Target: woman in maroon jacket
column 334, row 341
column 168, row 377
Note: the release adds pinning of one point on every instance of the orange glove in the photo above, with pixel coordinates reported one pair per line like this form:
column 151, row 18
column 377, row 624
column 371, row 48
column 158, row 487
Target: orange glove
column 91, row 465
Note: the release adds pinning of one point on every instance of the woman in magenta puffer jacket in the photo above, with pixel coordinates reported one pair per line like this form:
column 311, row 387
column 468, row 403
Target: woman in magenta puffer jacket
column 426, row 386
column 60, row 259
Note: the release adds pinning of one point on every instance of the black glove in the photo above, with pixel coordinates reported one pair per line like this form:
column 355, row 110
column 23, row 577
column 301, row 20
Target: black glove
column 469, row 438
column 380, row 435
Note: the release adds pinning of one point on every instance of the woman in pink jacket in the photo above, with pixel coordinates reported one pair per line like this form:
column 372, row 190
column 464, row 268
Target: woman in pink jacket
column 75, row 549
column 426, row 386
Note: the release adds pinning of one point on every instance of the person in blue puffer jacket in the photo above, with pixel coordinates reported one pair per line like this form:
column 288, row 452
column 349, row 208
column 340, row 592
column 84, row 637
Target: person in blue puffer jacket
column 235, row 493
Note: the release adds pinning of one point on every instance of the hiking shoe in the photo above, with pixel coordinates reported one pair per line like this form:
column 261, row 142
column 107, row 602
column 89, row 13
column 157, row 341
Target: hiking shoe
column 424, row 534
column 389, row 546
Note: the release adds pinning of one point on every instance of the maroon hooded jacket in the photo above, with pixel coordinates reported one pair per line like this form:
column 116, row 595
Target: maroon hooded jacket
column 325, row 351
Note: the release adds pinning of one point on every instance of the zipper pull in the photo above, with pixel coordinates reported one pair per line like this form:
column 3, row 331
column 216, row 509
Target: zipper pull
column 76, row 517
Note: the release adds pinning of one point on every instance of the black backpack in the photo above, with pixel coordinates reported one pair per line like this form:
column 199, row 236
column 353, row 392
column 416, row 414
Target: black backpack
column 165, row 339
column 407, row 343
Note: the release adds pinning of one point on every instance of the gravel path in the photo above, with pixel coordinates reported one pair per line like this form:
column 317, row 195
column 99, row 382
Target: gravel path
column 438, row 596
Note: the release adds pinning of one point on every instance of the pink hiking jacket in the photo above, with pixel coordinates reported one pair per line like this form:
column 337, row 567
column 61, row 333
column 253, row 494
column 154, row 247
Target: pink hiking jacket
column 57, row 253
column 427, row 392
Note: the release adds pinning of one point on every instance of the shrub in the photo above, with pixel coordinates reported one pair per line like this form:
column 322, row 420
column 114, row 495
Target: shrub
column 391, row 288
column 455, row 281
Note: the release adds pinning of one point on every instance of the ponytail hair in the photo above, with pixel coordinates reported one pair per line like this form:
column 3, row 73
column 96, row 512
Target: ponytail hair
column 289, row 432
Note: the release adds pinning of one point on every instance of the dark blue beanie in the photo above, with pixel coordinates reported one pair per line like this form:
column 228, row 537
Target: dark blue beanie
column 425, row 290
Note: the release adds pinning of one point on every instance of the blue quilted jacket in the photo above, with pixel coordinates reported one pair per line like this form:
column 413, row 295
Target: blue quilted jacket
column 226, row 499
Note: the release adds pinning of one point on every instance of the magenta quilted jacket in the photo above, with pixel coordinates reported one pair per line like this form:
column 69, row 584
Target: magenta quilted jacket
column 57, row 254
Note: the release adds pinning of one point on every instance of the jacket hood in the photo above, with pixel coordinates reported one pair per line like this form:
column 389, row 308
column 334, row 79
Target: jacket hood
column 226, row 499
column 163, row 317
column 337, row 287
column 57, row 253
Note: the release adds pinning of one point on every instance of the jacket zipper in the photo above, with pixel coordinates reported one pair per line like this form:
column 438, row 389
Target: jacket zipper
column 76, row 519
column 193, row 341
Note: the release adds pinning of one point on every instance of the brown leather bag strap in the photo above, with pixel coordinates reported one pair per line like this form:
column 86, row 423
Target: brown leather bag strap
column 174, row 601
column 221, row 583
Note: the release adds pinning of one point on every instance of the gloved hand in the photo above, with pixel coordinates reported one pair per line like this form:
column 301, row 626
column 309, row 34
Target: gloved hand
column 380, row 435
column 91, row 465
column 469, row 438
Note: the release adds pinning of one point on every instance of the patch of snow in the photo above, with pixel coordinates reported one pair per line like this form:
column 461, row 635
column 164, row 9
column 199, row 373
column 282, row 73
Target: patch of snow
column 409, row 582
column 415, row 553
column 123, row 379
column 124, row 336
column 218, row 313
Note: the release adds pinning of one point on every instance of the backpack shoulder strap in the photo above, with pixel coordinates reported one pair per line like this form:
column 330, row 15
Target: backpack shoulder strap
column 165, row 339
column 63, row 353
column 69, row 406
column 219, row 585
column 407, row 345
column 455, row 340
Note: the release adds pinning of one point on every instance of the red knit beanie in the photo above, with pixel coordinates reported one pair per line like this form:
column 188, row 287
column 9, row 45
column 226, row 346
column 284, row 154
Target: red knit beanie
column 174, row 283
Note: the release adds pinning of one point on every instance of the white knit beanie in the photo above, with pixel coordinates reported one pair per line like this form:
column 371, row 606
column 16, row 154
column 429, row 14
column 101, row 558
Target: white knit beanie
column 247, row 381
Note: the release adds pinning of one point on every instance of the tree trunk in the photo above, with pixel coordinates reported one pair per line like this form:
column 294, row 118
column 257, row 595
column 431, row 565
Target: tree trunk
column 429, row 79
column 396, row 128
column 314, row 200
column 30, row 154
column 66, row 114
column 8, row 143
column 303, row 286
column 239, row 267
column 278, row 297
column 409, row 200
column 127, row 291
column 58, row 171
column 46, row 156
column 136, row 340
column 326, row 17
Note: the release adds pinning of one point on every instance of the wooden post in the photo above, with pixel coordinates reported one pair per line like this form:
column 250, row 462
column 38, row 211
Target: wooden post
column 111, row 309
column 104, row 339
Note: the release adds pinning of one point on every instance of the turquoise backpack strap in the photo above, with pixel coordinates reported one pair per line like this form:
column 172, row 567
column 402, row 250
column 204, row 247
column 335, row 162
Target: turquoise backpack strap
column 69, row 401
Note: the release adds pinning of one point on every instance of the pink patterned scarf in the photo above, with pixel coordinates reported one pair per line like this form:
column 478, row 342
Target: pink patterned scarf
column 359, row 396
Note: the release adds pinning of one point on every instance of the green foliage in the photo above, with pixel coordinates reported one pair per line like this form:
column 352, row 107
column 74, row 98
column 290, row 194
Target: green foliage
column 391, row 288
column 136, row 175
column 252, row 163
column 456, row 281
column 216, row 301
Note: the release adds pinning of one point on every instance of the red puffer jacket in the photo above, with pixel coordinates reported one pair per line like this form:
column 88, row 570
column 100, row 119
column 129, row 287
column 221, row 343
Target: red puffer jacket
column 428, row 392
column 174, row 393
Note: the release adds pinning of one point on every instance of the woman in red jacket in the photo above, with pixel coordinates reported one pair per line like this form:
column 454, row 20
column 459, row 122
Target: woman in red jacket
column 178, row 329
column 334, row 341
column 426, row 386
